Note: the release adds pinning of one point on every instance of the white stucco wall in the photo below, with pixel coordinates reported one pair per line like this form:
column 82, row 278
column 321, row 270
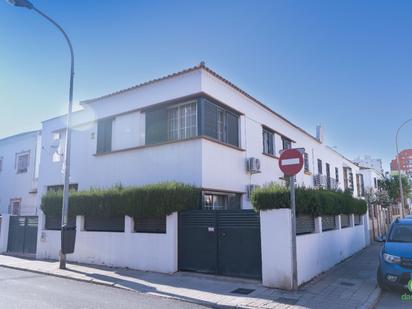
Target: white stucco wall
column 142, row 251
column 276, row 239
column 318, row 252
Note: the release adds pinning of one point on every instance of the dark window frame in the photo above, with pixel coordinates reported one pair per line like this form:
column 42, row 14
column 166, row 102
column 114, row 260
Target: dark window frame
column 268, row 137
column 229, row 198
column 286, row 143
column 306, row 162
column 320, row 167
column 104, row 139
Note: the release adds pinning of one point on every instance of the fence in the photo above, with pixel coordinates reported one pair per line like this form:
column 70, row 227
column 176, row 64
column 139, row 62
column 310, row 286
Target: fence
column 317, row 251
column 149, row 245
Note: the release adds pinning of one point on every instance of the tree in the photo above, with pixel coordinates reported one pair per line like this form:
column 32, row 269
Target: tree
column 390, row 185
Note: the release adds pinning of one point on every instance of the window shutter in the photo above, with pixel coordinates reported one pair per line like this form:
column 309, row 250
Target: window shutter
column 156, row 126
column 233, row 130
column 104, row 135
column 209, row 119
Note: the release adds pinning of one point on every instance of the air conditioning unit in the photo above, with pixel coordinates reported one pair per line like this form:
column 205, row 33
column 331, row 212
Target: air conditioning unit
column 253, row 165
column 250, row 189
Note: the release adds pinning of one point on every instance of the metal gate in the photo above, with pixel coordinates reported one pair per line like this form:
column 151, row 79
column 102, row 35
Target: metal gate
column 22, row 235
column 225, row 242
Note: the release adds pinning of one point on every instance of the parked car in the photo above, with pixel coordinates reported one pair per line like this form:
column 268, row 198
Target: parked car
column 395, row 260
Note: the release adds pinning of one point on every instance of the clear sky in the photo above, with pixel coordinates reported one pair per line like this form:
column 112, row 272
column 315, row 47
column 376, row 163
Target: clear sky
column 345, row 64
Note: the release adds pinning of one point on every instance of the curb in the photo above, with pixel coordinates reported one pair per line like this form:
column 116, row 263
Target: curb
column 372, row 299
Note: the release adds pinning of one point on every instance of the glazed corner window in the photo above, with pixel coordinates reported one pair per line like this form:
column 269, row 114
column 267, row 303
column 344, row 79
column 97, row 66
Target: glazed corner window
column 221, row 201
column 218, row 123
column 287, row 143
column 268, row 141
column 182, row 121
column 320, row 167
column 22, row 162
column 306, row 162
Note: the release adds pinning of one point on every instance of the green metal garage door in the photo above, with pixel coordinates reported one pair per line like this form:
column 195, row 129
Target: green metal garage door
column 22, row 235
column 225, row 242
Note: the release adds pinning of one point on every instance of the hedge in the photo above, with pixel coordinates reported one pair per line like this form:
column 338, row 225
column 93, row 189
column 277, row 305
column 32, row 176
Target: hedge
column 146, row 201
column 316, row 202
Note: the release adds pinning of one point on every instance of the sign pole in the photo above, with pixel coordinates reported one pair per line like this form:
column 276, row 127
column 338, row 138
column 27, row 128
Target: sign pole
column 293, row 217
column 291, row 162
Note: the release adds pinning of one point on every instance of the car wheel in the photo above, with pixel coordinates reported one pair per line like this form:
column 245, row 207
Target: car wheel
column 381, row 283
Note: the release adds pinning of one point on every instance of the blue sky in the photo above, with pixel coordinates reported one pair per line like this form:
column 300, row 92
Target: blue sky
column 345, row 64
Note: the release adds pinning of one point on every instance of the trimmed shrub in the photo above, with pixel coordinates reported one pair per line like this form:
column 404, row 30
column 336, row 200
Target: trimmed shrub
column 315, row 202
column 149, row 200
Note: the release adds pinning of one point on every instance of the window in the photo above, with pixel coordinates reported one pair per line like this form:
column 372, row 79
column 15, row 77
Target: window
column 221, row 201
column 287, row 143
column 182, row 121
column 104, row 135
column 219, row 123
column 337, row 174
column 22, row 162
column 375, row 182
column 319, row 166
column 15, row 207
column 306, row 162
column 268, row 142
column 1, row 164
column 328, row 181
column 57, row 188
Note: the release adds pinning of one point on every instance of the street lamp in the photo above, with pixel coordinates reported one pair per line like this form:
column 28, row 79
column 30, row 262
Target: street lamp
column 65, row 208
column 399, row 165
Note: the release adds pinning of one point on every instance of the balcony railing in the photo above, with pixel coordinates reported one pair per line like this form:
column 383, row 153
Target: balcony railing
column 322, row 181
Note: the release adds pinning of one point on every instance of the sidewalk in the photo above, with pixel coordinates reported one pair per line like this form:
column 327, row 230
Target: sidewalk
column 350, row 284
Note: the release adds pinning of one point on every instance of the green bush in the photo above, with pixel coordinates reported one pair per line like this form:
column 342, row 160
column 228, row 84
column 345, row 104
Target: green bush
column 308, row 201
column 149, row 200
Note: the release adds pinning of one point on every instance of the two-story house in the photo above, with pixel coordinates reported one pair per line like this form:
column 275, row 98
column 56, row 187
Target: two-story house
column 193, row 126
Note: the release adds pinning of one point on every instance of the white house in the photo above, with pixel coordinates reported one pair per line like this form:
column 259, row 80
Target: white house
column 19, row 158
column 198, row 128
column 193, row 126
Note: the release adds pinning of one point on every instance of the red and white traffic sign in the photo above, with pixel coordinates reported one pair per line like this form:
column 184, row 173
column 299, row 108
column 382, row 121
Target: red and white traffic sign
column 291, row 161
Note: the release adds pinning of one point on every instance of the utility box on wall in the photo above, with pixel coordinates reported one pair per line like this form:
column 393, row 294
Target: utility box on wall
column 68, row 238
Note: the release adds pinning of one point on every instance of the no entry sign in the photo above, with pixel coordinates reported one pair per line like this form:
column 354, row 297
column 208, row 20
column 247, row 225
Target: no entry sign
column 291, row 161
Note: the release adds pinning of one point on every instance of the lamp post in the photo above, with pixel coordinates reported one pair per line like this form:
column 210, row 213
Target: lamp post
column 65, row 207
column 399, row 166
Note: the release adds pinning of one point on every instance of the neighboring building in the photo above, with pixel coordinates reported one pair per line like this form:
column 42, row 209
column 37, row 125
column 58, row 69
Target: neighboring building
column 371, row 178
column 195, row 127
column 369, row 162
column 405, row 160
column 19, row 157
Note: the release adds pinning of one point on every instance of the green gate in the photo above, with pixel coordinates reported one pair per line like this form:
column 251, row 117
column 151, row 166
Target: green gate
column 225, row 242
column 22, row 235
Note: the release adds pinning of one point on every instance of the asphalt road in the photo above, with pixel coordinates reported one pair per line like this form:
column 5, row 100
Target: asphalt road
column 20, row 289
column 392, row 300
